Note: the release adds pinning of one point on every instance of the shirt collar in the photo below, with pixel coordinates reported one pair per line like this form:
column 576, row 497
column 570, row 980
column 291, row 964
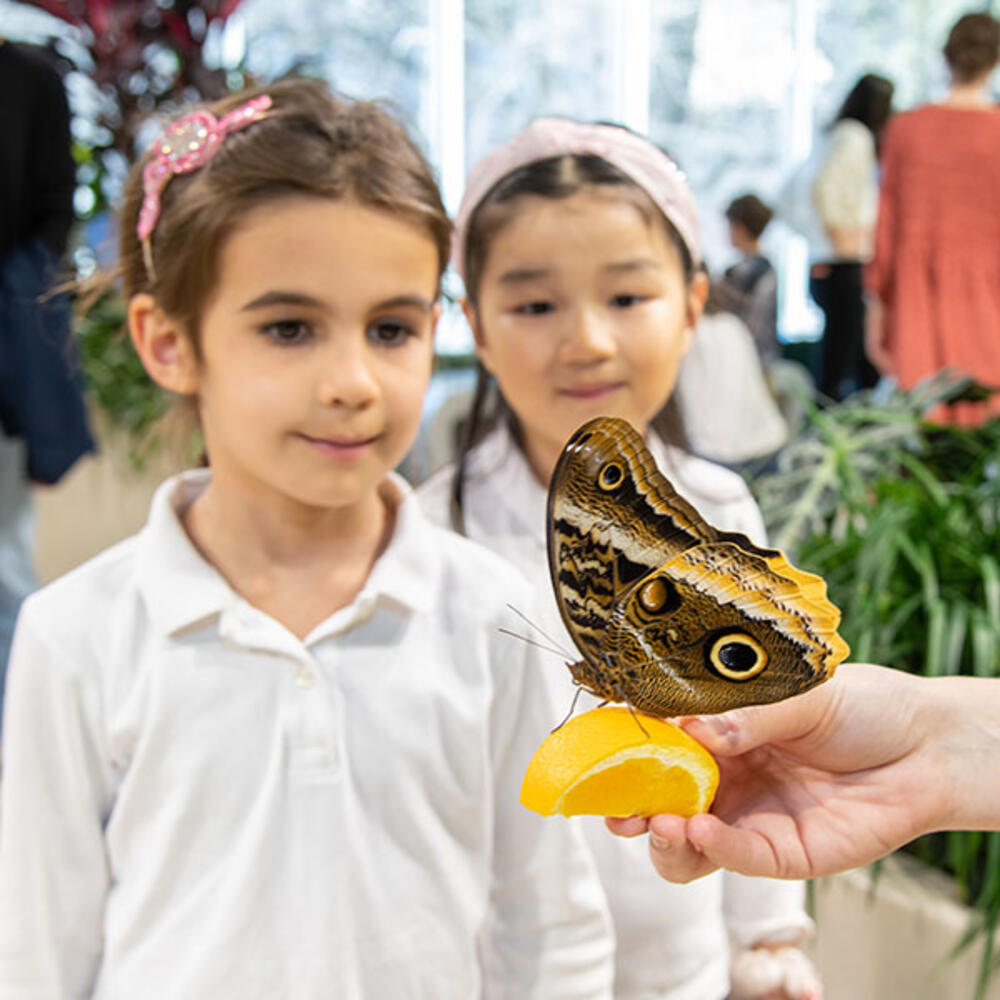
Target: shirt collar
column 181, row 588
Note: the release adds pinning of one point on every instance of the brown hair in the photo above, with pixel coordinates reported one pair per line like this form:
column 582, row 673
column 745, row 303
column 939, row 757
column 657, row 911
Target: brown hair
column 973, row 46
column 749, row 212
column 557, row 177
column 310, row 143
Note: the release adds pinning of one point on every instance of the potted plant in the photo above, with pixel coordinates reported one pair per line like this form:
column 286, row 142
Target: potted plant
column 901, row 516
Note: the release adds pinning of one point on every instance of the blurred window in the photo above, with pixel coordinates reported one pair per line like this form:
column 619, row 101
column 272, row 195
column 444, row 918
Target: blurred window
column 737, row 90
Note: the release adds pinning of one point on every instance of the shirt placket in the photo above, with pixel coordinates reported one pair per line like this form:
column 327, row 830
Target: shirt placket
column 311, row 707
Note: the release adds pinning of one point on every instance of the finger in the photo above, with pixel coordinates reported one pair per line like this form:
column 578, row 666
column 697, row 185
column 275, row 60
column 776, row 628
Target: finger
column 743, row 729
column 674, row 858
column 744, row 851
column 634, row 826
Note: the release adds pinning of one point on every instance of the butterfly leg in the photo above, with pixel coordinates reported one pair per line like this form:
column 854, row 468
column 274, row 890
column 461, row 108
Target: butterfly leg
column 628, row 705
column 572, row 709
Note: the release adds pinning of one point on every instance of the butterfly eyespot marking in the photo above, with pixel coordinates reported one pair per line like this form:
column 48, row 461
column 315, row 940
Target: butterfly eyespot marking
column 659, row 595
column 737, row 656
column 611, row 476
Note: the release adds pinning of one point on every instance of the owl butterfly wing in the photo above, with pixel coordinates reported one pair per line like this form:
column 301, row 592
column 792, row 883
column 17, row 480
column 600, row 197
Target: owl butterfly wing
column 720, row 626
column 612, row 518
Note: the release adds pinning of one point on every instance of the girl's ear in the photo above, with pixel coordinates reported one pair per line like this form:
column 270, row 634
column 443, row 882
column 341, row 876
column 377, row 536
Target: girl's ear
column 163, row 345
column 472, row 318
column 697, row 297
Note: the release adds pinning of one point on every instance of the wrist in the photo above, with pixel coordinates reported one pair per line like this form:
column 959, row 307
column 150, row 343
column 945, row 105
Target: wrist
column 963, row 731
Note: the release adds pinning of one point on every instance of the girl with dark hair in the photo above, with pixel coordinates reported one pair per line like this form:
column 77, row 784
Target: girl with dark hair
column 580, row 252
column 270, row 747
column 935, row 282
column 844, row 195
column 870, row 103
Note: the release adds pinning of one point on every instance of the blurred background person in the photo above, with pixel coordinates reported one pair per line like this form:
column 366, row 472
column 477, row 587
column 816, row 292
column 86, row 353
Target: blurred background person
column 728, row 410
column 935, row 279
column 749, row 288
column 844, row 196
column 43, row 423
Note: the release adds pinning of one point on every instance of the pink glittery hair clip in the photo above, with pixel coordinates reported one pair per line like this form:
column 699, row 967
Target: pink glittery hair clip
column 185, row 145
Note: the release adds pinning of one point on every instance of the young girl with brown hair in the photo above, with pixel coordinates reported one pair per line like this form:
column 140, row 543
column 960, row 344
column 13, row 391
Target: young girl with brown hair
column 271, row 746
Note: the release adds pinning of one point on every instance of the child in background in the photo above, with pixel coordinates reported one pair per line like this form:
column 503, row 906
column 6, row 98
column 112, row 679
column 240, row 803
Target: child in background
column 579, row 249
column 749, row 288
column 271, row 746
column 743, row 423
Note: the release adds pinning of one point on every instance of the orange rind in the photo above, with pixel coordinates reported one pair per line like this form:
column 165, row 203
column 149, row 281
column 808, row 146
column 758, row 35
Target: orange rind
column 602, row 763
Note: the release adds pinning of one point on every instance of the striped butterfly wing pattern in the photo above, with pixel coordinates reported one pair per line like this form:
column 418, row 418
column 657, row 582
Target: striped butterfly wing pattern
column 669, row 614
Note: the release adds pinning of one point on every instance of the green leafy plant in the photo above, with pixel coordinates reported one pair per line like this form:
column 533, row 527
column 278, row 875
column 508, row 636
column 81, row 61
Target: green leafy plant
column 902, row 518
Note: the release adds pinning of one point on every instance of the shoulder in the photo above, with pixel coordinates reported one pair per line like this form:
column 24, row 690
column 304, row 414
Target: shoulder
column 33, row 67
column 699, row 476
column 719, row 329
column 78, row 613
column 478, row 577
column 906, row 125
column 720, row 495
column 724, row 346
column 851, row 136
column 495, row 472
column 456, row 571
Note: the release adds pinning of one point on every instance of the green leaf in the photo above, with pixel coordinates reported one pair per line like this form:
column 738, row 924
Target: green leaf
column 991, row 588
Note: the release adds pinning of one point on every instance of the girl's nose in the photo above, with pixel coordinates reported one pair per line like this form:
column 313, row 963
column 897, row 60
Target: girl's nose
column 348, row 378
column 589, row 338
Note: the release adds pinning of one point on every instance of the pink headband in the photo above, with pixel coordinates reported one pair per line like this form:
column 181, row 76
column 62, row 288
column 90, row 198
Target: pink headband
column 633, row 155
column 185, row 145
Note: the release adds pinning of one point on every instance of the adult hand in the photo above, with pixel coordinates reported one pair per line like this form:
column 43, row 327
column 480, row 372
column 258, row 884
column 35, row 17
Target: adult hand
column 837, row 777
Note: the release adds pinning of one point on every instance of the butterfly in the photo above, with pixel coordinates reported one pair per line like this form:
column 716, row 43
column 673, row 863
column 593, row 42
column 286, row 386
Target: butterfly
column 671, row 615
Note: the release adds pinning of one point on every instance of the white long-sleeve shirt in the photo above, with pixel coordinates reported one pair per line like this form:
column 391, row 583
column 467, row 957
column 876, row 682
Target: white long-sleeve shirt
column 672, row 940
column 836, row 188
column 845, row 189
column 197, row 805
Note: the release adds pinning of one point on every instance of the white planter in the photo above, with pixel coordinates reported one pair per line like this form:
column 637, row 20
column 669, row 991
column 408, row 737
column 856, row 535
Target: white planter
column 892, row 943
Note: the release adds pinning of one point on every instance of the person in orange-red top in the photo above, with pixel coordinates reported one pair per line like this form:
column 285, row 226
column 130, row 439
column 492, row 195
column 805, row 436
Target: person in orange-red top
column 935, row 278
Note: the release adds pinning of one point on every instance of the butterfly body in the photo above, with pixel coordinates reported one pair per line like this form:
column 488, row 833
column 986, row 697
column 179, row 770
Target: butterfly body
column 671, row 615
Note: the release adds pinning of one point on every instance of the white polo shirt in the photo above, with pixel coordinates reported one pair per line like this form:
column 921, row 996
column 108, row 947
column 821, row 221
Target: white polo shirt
column 197, row 805
column 673, row 940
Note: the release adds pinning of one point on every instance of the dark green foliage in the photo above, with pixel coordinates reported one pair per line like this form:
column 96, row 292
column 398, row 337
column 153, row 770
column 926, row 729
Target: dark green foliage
column 902, row 518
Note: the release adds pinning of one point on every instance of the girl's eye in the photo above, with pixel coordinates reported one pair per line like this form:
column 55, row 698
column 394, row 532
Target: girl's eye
column 534, row 308
column 625, row 301
column 389, row 333
column 288, row 331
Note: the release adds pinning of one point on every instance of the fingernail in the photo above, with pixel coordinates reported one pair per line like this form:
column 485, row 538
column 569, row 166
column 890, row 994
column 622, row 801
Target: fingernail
column 659, row 843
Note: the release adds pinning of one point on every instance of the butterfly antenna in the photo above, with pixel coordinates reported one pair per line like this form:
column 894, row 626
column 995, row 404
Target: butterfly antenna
column 572, row 709
column 532, row 642
column 541, row 632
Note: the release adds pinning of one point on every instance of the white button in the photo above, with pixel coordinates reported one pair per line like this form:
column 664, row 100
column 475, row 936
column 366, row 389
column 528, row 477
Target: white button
column 305, row 677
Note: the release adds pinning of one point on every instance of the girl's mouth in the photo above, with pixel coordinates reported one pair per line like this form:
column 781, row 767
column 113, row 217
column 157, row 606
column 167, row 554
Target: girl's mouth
column 341, row 446
column 594, row 390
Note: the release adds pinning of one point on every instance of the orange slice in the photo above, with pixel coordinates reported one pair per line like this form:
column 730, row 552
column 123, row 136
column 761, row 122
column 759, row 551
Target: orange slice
column 601, row 763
